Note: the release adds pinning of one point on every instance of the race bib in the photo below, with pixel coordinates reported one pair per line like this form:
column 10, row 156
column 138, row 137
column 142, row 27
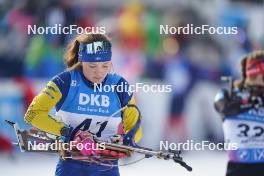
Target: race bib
column 248, row 134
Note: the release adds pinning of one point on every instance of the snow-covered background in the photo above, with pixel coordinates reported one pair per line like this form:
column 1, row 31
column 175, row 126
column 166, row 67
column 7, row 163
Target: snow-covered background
column 203, row 163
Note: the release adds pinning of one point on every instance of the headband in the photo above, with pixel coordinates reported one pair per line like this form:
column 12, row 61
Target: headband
column 254, row 68
column 99, row 51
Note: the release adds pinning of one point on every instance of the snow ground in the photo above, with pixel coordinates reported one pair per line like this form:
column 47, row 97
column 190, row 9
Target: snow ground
column 203, row 163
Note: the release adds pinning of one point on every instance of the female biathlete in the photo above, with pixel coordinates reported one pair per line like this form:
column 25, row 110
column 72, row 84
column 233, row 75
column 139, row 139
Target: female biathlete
column 79, row 104
column 242, row 109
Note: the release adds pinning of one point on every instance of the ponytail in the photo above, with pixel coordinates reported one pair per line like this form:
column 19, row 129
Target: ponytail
column 71, row 55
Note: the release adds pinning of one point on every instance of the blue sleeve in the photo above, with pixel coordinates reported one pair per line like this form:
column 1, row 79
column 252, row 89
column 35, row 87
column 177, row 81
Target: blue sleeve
column 124, row 95
column 63, row 81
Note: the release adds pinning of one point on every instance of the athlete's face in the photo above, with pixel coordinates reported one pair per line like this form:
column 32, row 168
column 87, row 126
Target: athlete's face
column 96, row 71
column 255, row 81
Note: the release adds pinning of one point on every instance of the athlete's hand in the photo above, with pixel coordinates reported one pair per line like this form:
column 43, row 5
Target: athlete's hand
column 115, row 154
column 227, row 105
column 112, row 154
column 87, row 146
column 82, row 135
column 84, row 142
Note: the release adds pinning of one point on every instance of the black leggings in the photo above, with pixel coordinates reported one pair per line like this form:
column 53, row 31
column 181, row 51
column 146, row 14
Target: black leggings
column 241, row 169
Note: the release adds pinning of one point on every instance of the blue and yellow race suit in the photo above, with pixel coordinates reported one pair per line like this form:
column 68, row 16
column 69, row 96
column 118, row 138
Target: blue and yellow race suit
column 76, row 99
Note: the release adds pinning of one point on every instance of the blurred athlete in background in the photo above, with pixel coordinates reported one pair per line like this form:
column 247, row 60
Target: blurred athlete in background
column 79, row 105
column 242, row 109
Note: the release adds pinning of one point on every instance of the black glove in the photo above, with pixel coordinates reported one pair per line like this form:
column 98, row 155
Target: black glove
column 228, row 105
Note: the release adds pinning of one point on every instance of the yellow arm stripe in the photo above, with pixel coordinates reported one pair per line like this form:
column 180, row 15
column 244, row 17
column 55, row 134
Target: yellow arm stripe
column 130, row 117
column 37, row 113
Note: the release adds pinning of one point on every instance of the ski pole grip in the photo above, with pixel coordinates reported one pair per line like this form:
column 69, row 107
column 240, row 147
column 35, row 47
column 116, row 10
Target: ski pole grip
column 188, row 168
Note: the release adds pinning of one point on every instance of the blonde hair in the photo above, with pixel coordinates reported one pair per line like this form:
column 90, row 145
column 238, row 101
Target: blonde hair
column 71, row 54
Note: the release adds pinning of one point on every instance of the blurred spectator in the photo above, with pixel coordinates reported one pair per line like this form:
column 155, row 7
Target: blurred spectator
column 5, row 144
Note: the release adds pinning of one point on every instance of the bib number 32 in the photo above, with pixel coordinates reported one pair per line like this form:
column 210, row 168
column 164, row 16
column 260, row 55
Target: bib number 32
column 245, row 129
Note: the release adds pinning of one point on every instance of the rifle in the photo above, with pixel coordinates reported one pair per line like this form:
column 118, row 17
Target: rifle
column 24, row 138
